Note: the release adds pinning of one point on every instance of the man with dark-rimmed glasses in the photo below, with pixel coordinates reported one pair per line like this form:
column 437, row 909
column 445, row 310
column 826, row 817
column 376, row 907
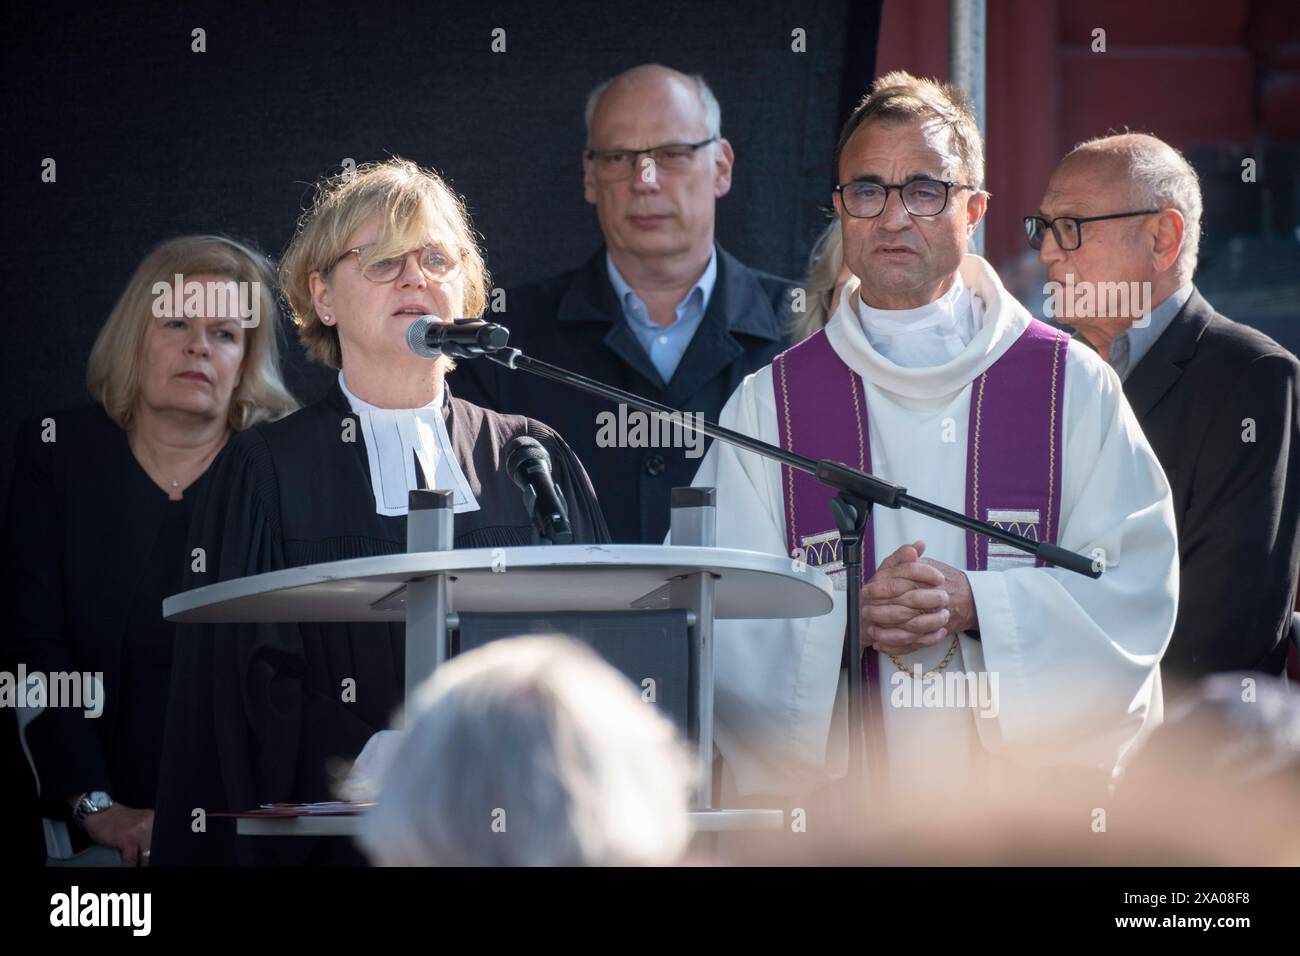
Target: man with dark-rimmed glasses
column 1218, row 401
column 930, row 374
column 660, row 310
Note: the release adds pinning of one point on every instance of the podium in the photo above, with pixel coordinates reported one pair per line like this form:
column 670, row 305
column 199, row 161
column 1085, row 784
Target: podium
column 431, row 585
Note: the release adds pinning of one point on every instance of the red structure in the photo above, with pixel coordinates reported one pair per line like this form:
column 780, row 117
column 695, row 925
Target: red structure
column 1196, row 73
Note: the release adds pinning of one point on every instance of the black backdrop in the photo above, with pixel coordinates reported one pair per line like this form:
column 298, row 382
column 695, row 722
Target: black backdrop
column 153, row 140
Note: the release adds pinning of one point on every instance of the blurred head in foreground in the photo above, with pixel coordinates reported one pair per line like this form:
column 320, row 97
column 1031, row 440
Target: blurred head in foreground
column 532, row 752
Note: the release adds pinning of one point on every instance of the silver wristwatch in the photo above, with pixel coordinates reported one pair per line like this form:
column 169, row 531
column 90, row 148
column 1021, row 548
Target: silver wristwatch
column 88, row 804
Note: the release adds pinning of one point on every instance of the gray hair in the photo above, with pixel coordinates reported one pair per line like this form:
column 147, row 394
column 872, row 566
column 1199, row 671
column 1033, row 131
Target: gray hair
column 532, row 752
column 709, row 102
column 1162, row 178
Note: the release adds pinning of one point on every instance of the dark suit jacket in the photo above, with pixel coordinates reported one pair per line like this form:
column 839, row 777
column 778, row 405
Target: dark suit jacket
column 82, row 522
column 575, row 321
column 1237, row 502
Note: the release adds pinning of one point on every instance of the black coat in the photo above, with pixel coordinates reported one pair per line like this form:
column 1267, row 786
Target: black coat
column 575, row 321
column 86, row 584
column 1237, row 502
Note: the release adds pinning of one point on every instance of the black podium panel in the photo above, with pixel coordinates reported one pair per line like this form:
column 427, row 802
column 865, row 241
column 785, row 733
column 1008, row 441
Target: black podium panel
column 650, row 648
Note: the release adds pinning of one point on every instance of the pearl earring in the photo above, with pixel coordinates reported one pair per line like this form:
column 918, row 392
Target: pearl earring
column 327, row 319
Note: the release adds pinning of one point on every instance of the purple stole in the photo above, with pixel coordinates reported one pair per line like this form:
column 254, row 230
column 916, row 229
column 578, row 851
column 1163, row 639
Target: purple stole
column 1013, row 454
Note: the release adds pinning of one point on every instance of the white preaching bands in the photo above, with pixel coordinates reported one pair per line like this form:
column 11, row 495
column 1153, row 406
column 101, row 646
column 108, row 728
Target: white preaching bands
column 393, row 436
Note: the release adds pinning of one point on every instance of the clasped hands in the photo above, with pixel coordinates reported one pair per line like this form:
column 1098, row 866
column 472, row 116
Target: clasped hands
column 913, row 602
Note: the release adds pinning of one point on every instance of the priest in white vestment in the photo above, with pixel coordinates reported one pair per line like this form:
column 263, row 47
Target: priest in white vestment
column 1066, row 666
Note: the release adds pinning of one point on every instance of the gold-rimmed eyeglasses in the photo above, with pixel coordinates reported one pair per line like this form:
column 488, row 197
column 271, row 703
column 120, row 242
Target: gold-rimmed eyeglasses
column 436, row 262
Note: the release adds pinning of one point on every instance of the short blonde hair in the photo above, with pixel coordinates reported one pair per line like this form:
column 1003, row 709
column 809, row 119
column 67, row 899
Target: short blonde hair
column 900, row 97
column 410, row 198
column 113, row 373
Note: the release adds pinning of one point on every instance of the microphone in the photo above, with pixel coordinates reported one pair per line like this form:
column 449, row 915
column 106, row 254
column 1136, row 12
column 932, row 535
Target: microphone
column 428, row 337
column 529, row 467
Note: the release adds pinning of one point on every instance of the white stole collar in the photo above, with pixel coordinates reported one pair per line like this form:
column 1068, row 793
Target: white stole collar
column 998, row 319
column 394, row 438
column 933, row 334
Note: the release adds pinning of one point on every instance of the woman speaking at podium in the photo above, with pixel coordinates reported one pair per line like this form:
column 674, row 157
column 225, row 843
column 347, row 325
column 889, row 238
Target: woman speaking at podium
column 257, row 712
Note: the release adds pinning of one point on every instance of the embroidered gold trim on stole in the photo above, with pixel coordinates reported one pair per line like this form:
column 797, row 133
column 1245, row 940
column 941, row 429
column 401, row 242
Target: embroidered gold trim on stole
column 975, row 460
column 789, row 439
column 854, row 380
column 1051, row 436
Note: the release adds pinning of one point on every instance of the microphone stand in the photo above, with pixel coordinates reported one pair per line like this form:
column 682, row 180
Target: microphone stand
column 856, row 493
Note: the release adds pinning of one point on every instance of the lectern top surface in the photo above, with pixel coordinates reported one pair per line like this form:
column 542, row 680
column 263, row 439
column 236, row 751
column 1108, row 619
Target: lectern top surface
column 588, row 577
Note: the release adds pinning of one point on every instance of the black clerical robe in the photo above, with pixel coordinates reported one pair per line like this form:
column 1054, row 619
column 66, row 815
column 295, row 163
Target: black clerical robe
column 257, row 712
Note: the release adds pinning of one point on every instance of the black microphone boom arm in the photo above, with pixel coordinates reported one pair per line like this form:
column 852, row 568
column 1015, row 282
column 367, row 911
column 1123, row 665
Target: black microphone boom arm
column 851, row 507
column 850, row 481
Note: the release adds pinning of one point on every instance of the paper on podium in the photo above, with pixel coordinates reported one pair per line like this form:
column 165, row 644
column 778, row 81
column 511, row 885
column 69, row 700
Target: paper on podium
column 327, row 808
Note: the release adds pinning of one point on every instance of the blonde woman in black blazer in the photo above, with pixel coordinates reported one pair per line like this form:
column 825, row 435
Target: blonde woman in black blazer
column 99, row 512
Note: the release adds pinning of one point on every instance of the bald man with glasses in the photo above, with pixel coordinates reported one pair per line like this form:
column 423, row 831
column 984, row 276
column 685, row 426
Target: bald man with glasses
column 1119, row 228
column 661, row 310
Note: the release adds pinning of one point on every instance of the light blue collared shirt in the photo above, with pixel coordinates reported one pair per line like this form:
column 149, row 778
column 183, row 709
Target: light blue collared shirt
column 1134, row 342
column 665, row 344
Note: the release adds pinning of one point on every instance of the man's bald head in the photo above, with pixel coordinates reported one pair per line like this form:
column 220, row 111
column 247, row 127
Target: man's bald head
column 654, row 167
column 651, row 86
column 1157, row 176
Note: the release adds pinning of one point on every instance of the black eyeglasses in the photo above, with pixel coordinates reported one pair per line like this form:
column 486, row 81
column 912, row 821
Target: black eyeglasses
column 1068, row 230
column 615, row 164
column 921, row 197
